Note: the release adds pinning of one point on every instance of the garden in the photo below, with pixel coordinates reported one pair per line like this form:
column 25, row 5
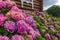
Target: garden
column 18, row 25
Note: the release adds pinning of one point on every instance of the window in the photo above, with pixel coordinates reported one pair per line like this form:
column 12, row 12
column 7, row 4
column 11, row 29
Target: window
column 29, row 4
column 27, row 1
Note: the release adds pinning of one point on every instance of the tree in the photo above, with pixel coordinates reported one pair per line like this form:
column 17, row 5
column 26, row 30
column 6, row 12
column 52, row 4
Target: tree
column 54, row 10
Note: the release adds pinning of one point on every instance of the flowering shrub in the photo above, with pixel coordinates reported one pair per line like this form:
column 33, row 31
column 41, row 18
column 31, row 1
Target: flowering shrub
column 17, row 25
column 14, row 23
column 48, row 26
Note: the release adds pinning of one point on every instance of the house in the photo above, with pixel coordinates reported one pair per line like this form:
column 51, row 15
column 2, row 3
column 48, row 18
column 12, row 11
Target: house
column 30, row 4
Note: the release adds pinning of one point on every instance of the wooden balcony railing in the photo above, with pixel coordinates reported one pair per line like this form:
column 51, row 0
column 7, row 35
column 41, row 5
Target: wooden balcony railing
column 38, row 5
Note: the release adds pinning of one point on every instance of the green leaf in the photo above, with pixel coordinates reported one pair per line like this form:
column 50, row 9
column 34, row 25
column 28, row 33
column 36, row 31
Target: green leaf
column 25, row 37
column 40, row 38
column 5, row 10
column 38, row 19
column 39, row 27
column 58, row 38
column 3, row 31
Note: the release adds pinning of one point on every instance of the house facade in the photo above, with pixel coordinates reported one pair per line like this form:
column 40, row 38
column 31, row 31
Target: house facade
column 30, row 4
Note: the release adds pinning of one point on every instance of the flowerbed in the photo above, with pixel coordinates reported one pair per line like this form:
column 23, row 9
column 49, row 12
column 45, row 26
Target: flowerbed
column 48, row 26
column 17, row 25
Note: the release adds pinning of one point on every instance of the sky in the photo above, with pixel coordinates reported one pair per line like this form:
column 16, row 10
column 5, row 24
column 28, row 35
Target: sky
column 49, row 3
column 58, row 2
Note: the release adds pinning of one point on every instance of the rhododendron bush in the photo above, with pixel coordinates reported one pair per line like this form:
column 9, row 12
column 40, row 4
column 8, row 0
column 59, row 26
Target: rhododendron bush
column 18, row 25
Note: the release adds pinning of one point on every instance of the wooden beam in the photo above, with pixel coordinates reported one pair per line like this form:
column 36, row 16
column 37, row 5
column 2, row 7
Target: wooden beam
column 38, row 5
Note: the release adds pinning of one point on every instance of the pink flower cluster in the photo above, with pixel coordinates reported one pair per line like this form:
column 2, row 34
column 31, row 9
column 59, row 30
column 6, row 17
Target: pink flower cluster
column 47, row 36
column 4, row 38
column 15, row 37
column 2, row 19
column 20, row 22
column 9, row 4
column 10, row 26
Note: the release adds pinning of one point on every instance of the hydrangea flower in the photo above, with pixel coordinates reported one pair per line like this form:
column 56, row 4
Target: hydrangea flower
column 1, row 0
column 54, row 37
column 32, row 33
column 45, row 21
column 4, row 4
column 17, row 37
column 16, row 9
column 51, row 27
column 34, row 14
column 4, row 38
column 2, row 19
column 34, row 27
column 58, row 34
column 47, row 36
column 29, row 20
column 0, row 37
column 22, row 26
column 30, row 37
column 52, row 19
column 1, row 4
column 10, row 26
column 29, row 28
column 10, row 4
column 42, row 14
column 56, row 23
column 15, row 15
column 6, row 0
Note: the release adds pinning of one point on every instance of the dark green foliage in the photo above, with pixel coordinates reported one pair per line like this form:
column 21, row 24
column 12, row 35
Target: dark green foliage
column 25, row 37
column 10, row 18
column 38, row 20
column 54, row 10
column 39, row 28
column 58, row 38
column 40, row 38
column 3, row 31
column 57, row 28
column 4, row 10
